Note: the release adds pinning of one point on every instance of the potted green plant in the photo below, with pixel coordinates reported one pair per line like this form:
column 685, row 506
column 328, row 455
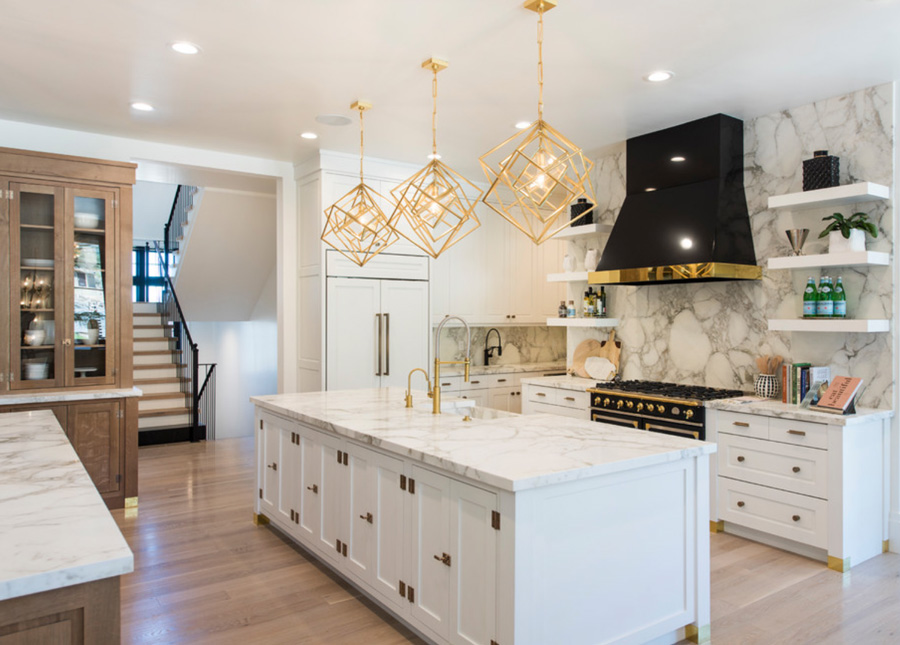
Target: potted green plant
column 848, row 233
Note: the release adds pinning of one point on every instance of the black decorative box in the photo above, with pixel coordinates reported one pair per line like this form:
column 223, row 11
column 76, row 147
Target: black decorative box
column 822, row 171
column 578, row 208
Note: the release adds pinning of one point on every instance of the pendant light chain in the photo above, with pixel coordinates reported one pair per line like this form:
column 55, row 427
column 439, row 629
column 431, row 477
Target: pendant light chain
column 540, row 41
column 434, row 111
column 361, row 145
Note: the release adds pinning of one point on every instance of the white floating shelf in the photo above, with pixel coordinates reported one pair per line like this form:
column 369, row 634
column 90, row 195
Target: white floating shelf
column 864, row 191
column 584, row 229
column 832, row 325
column 582, row 322
column 575, row 276
column 852, row 259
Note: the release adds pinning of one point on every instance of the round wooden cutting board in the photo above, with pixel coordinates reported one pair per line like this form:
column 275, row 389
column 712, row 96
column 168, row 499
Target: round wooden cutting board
column 585, row 350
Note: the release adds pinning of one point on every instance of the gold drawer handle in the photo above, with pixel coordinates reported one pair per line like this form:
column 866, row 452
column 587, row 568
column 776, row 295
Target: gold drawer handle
column 799, row 433
column 741, row 424
column 796, row 469
column 570, row 398
column 367, row 517
column 740, row 458
column 540, row 394
column 740, row 504
column 796, row 518
column 500, row 380
column 474, row 382
column 446, row 384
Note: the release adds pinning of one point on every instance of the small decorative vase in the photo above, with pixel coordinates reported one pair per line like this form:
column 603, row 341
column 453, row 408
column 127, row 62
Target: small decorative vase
column 767, row 386
column 591, row 259
column 92, row 336
column 837, row 243
column 569, row 263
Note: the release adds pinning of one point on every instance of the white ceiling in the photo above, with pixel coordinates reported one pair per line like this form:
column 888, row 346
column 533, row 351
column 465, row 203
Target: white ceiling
column 268, row 67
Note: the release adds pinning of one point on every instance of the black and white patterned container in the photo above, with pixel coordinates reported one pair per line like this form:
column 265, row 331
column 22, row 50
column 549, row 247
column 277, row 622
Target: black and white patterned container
column 822, row 171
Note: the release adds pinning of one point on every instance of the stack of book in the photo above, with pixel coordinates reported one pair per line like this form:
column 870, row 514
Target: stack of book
column 797, row 379
column 840, row 398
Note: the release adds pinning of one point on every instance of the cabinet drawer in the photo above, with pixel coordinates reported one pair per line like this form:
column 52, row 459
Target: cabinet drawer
column 540, row 394
column 796, row 469
column 745, row 425
column 788, row 515
column 450, row 384
column 575, row 400
column 558, row 410
column 482, row 381
column 800, row 433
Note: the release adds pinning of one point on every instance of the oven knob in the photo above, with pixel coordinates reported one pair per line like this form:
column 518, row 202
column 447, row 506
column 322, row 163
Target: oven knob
column 676, row 410
column 619, row 404
column 630, row 404
column 640, row 406
column 660, row 409
column 688, row 414
column 606, row 402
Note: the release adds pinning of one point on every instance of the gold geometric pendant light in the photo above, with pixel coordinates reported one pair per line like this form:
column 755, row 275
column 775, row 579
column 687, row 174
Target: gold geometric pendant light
column 355, row 225
column 536, row 174
column 434, row 210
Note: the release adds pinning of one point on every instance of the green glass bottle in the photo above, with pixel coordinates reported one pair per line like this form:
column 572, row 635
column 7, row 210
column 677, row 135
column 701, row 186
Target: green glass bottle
column 810, row 296
column 840, row 299
column 825, row 305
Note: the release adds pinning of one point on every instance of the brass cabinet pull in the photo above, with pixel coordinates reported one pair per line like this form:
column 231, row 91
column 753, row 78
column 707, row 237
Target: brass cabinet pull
column 273, row 466
column 741, row 424
column 445, row 558
column 539, row 394
column 367, row 517
column 387, row 344
column 570, row 398
column 474, row 382
column 500, row 380
column 378, row 342
column 740, row 504
column 314, row 488
column 446, row 384
column 740, row 458
column 799, row 433
column 796, row 518
column 796, row 469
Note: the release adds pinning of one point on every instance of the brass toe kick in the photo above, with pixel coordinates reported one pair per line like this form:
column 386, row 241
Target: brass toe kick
column 131, row 507
column 839, row 564
column 260, row 520
column 697, row 634
column 717, row 527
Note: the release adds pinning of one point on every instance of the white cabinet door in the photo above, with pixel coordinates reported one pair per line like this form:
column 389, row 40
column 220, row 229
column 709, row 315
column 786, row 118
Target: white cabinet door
column 404, row 308
column 481, row 397
column 522, row 289
column 496, row 273
column 473, row 551
column 310, row 480
column 288, row 475
column 353, row 323
column 271, row 453
column 332, row 498
column 431, row 540
column 499, row 398
column 360, row 510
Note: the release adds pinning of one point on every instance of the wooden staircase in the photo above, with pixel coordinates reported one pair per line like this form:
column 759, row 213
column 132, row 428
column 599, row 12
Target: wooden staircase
column 163, row 410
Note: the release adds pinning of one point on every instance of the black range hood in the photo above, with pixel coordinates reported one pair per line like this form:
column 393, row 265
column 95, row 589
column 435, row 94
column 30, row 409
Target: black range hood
column 685, row 216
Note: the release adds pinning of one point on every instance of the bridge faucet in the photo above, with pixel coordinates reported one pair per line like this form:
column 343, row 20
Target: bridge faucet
column 436, row 388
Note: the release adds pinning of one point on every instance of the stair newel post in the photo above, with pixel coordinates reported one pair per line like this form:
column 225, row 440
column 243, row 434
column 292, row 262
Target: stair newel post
column 195, row 393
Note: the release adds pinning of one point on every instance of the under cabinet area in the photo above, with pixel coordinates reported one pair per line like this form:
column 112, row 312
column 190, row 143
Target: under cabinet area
column 817, row 488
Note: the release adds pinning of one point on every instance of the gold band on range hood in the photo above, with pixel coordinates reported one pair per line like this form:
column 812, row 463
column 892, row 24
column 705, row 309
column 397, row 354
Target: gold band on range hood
column 675, row 272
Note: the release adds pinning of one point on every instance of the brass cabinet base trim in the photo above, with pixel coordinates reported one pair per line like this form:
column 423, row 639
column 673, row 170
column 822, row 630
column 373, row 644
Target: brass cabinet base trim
column 838, row 564
column 260, row 520
column 131, row 502
column 885, row 546
column 675, row 272
column 717, row 527
column 697, row 634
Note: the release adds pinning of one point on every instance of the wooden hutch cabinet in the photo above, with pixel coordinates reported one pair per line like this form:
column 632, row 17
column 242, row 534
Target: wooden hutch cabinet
column 66, row 306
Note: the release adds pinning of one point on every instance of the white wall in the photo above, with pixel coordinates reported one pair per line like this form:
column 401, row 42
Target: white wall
column 152, row 205
column 41, row 138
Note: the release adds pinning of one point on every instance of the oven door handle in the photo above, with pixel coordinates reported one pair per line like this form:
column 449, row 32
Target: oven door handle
column 654, row 427
column 613, row 420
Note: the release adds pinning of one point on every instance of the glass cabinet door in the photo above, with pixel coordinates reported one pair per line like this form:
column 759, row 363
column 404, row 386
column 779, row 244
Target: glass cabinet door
column 90, row 355
column 37, row 259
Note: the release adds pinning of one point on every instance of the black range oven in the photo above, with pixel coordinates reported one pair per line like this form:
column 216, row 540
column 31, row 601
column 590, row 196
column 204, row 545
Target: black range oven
column 667, row 408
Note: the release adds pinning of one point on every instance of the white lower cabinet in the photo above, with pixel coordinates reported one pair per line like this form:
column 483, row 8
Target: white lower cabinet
column 422, row 543
column 539, row 399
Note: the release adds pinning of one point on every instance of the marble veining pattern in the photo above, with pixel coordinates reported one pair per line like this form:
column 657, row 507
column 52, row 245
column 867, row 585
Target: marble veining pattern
column 69, row 395
column 514, row 453
column 521, row 345
column 773, row 408
column 710, row 334
column 56, row 530
column 574, row 383
column 520, row 368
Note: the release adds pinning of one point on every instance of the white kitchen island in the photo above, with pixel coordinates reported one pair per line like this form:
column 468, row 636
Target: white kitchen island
column 518, row 529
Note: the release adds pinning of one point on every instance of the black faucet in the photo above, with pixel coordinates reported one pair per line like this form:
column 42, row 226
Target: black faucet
column 489, row 351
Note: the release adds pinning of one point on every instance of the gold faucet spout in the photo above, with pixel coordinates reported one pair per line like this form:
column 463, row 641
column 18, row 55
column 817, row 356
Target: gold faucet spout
column 409, row 399
column 436, row 398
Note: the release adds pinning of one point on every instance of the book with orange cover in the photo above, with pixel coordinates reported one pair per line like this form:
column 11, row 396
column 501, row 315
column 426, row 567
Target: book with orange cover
column 839, row 396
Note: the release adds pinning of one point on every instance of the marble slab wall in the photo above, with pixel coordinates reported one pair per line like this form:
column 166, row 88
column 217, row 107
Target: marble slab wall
column 710, row 334
column 520, row 344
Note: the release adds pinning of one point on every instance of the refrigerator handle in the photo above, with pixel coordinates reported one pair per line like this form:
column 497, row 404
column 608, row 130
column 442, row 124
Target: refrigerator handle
column 387, row 344
column 378, row 342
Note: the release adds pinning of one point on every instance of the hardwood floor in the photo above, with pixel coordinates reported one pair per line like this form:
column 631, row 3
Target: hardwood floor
column 205, row 574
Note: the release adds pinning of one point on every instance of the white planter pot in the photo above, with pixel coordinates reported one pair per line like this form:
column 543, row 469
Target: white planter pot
column 837, row 243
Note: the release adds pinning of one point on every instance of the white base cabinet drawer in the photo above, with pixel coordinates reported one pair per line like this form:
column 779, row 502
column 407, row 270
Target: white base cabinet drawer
column 791, row 468
column 744, row 425
column 558, row 410
column 799, row 433
column 788, row 515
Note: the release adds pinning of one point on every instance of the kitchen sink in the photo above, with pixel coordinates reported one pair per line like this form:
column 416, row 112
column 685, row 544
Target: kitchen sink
column 478, row 412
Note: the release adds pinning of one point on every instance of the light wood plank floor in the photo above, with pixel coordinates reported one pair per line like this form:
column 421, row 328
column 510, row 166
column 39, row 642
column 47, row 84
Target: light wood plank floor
column 205, row 574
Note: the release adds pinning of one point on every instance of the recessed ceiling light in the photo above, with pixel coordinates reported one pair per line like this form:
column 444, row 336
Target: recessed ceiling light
column 184, row 47
column 649, row 189
column 333, row 119
column 659, row 76
column 309, row 135
column 521, row 125
column 142, row 107
column 677, row 159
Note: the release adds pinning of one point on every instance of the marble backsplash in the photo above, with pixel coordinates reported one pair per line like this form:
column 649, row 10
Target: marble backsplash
column 711, row 333
column 520, row 344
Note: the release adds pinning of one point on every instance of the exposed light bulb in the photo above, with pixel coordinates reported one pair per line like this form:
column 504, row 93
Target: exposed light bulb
column 686, row 243
column 521, row 125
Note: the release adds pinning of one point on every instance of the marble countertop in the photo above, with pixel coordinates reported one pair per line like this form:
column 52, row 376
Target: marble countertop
column 575, row 383
column 55, row 530
column 518, row 368
column 87, row 394
column 773, row 408
column 513, row 453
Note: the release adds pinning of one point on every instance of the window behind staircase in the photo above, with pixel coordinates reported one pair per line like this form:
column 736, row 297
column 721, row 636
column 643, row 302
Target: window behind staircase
column 148, row 281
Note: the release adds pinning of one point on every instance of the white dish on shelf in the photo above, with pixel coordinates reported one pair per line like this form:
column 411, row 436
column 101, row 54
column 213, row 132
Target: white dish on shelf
column 87, row 220
column 36, row 371
column 37, row 262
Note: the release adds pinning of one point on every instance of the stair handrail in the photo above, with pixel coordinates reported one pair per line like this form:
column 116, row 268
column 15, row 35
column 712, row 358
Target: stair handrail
column 178, row 217
column 180, row 328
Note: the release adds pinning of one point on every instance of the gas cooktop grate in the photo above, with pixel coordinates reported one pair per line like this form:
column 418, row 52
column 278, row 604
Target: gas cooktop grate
column 674, row 390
